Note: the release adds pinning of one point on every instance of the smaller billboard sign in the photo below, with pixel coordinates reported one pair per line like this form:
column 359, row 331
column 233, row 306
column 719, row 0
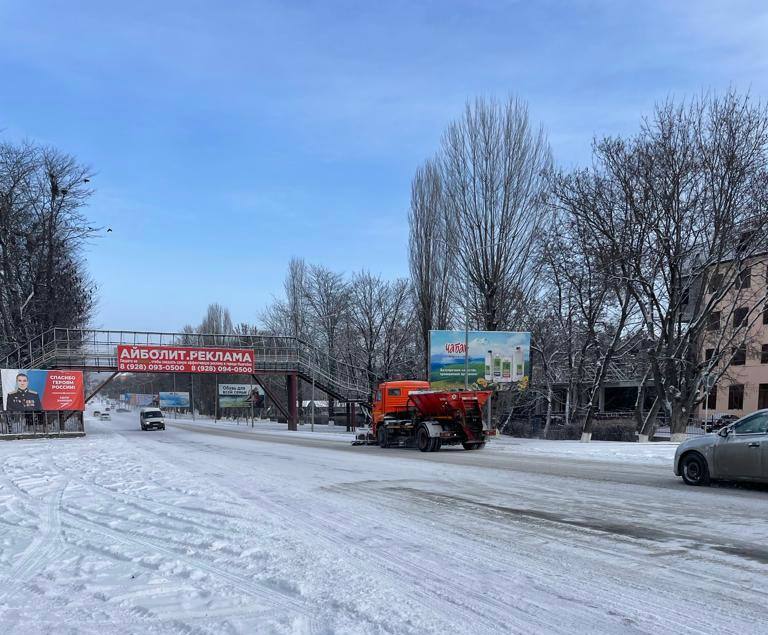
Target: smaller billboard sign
column 241, row 396
column 184, row 359
column 37, row 390
column 139, row 399
column 174, row 399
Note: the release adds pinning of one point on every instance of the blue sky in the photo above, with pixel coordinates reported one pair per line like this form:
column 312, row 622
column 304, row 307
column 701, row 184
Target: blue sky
column 229, row 136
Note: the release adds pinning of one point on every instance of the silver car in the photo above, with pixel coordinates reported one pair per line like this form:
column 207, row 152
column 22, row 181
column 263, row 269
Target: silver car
column 738, row 452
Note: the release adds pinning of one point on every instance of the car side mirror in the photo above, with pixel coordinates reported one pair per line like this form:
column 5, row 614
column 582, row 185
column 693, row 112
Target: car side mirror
column 724, row 432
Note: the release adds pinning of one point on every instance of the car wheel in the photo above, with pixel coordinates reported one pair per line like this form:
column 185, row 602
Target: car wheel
column 694, row 469
column 423, row 440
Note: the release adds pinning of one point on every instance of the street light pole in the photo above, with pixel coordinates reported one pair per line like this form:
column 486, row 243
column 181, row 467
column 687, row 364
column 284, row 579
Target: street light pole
column 312, row 426
column 466, row 349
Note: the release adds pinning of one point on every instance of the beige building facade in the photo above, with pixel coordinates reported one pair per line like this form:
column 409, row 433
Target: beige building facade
column 743, row 388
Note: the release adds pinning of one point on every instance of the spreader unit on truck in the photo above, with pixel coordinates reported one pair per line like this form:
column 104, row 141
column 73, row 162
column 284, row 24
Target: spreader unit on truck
column 409, row 414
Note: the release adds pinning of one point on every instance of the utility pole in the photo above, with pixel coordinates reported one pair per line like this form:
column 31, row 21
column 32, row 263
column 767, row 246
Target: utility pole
column 216, row 401
column 192, row 394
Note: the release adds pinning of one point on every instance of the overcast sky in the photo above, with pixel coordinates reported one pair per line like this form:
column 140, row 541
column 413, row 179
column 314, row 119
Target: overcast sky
column 228, row 136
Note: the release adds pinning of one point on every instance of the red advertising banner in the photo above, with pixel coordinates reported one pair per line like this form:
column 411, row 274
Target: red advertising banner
column 183, row 359
column 64, row 391
column 36, row 390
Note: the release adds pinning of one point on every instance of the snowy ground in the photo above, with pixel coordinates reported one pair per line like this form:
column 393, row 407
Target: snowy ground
column 217, row 528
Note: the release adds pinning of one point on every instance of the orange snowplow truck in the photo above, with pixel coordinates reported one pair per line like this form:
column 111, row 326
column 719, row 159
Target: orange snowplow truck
column 408, row 413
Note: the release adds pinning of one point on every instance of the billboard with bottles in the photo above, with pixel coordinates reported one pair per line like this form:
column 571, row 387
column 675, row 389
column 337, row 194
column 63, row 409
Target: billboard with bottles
column 497, row 359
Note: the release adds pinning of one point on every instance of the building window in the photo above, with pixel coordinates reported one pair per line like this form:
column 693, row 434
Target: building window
column 739, row 356
column 762, row 396
column 715, row 282
column 709, row 354
column 713, row 323
column 712, row 398
column 744, row 279
column 764, row 354
column 736, row 397
column 740, row 317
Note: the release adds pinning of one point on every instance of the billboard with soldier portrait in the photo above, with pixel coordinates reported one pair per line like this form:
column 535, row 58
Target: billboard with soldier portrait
column 40, row 390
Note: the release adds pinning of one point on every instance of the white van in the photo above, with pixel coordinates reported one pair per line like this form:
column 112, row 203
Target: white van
column 151, row 418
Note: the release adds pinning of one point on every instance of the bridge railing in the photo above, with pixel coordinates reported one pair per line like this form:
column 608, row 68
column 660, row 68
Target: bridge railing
column 96, row 349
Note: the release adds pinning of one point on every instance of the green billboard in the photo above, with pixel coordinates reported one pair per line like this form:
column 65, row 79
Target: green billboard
column 494, row 359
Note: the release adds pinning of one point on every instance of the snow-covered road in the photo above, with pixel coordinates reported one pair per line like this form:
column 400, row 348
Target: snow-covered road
column 208, row 528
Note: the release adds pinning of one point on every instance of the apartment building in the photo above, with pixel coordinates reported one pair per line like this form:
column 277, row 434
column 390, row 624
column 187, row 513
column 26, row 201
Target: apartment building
column 744, row 386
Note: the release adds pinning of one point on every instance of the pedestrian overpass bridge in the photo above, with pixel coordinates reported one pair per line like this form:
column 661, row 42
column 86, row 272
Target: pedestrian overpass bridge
column 95, row 350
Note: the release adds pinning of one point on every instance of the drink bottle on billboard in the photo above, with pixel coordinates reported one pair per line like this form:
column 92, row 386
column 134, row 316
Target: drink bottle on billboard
column 496, row 367
column 519, row 364
column 488, row 370
column 506, row 369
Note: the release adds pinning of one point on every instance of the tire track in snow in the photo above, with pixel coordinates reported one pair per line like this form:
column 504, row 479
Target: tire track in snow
column 245, row 585
column 682, row 621
column 40, row 551
column 279, row 601
column 488, row 614
column 456, row 587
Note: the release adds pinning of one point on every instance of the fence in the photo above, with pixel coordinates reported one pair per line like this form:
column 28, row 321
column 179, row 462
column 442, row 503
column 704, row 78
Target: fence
column 607, row 426
column 40, row 423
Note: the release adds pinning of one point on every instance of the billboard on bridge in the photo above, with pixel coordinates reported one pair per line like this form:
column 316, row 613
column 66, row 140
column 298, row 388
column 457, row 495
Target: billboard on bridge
column 37, row 390
column 183, row 359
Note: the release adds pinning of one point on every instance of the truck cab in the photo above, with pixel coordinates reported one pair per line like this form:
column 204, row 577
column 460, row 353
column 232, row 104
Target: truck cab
column 392, row 398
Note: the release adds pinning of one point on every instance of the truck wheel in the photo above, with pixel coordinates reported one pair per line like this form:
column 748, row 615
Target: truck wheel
column 423, row 440
column 436, row 445
column 382, row 436
column 473, row 446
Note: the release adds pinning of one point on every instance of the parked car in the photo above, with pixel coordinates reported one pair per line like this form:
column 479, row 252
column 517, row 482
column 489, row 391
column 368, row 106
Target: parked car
column 151, row 418
column 718, row 422
column 738, row 452
column 96, row 413
column 105, row 416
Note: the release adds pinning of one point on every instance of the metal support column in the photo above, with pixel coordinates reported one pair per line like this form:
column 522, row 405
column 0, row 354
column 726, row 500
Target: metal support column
column 292, row 382
column 273, row 398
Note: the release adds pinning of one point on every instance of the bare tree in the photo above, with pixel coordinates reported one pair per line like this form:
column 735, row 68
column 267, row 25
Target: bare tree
column 369, row 302
column 601, row 241
column 494, row 168
column 431, row 256
column 217, row 321
column 691, row 189
column 327, row 298
column 43, row 278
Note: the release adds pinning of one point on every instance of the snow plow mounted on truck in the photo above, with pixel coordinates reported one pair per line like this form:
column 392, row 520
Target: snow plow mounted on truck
column 408, row 414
